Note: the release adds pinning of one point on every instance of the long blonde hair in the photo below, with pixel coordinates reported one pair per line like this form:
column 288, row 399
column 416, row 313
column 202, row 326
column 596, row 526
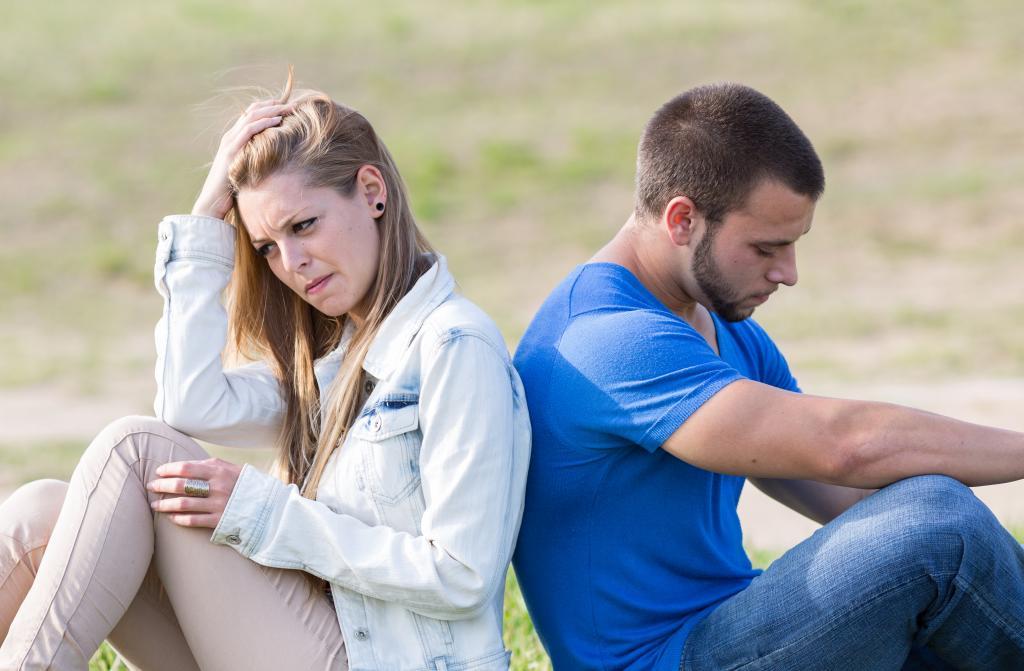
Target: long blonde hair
column 327, row 143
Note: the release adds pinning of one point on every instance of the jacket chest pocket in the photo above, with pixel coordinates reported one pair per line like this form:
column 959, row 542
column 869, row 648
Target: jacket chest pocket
column 389, row 439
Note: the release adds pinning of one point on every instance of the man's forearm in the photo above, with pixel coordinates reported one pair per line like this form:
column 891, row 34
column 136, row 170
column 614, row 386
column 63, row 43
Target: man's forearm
column 894, row 442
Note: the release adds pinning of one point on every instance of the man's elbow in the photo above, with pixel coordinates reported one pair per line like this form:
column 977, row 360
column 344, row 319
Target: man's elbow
column 851, row 454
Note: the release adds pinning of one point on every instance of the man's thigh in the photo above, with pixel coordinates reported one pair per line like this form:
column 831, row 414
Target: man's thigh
column 860, row 591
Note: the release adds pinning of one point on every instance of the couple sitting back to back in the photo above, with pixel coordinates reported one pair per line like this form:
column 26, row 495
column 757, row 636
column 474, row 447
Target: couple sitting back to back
column 382, row 539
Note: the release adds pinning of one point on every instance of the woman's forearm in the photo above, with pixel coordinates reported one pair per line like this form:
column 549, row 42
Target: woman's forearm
column 195, row 394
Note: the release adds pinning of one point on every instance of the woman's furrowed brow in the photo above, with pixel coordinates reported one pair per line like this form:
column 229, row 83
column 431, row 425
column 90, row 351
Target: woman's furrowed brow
column 294, row 219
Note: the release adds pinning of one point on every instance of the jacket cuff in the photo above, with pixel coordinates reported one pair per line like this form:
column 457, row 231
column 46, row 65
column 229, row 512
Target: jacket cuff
column 191, row 236
column 244, row 520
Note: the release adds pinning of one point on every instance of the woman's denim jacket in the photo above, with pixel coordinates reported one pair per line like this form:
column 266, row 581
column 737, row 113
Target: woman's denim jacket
column 417, row 514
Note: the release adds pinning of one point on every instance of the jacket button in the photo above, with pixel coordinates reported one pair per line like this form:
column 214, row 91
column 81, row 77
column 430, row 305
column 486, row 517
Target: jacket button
column 362, row 634
column 234, row 539
column 376, row 423
column 368, row 387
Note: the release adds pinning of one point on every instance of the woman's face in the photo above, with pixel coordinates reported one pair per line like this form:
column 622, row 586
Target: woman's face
column 324, row 246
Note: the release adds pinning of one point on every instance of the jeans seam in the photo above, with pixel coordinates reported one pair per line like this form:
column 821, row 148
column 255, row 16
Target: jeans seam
column 992, row 613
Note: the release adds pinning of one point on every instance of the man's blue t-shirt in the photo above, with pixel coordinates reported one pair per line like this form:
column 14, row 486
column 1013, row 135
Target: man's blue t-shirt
column 624, row 547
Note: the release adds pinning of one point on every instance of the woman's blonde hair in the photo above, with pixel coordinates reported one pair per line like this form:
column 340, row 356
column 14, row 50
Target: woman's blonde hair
column 326, row 143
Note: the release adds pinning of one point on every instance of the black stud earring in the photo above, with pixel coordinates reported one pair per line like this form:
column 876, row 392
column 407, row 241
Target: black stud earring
column 380, row 207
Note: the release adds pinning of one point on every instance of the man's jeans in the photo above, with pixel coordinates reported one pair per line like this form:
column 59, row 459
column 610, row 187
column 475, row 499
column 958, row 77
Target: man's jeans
column 919, row 575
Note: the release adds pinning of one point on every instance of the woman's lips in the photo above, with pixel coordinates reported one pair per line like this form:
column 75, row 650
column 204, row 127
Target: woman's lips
column 317, row 285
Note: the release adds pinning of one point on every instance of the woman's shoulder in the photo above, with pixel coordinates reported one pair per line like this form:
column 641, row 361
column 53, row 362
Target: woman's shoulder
column 458, row 317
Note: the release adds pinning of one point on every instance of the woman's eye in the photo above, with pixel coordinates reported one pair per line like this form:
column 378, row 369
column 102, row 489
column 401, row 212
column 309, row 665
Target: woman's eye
column 303, row 225
column 264, row 250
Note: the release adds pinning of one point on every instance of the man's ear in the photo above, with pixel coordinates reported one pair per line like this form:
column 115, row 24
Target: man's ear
column 678, row 220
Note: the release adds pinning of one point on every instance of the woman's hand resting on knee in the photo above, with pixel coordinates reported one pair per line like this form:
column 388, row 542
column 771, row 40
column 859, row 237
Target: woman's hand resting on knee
column 190, row 508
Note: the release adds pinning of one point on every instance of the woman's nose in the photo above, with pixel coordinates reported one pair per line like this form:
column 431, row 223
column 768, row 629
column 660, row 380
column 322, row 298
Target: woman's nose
column 293, row 256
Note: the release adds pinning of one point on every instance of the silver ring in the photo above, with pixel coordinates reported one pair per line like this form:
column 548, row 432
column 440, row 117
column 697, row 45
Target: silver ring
column 197, row 488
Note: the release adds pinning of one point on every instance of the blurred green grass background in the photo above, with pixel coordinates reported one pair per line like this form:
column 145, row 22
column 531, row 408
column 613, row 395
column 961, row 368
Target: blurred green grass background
column 515, row 125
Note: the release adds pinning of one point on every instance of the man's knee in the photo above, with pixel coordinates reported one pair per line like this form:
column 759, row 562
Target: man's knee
column 935, row 517
column 937, row 502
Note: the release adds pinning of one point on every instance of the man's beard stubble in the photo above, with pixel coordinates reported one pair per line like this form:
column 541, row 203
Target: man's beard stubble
column 723, row 299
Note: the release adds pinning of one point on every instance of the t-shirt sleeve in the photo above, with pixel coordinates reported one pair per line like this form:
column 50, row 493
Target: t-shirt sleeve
column 773, row 367
column 635, row 375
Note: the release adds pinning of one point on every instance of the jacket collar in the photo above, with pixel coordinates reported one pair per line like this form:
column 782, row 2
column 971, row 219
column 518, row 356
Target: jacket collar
column 401, row 326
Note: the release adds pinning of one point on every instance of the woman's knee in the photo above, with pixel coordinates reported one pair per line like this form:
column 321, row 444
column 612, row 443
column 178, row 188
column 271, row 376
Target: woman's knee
column 148, row 436
column 28, row 515
column 117, row 430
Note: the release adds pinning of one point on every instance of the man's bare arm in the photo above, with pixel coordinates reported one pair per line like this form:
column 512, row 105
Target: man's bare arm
column 756, row 430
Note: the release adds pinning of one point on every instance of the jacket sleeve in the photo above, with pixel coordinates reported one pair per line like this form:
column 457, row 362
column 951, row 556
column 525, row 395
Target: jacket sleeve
column 473, row 469
column 242, row 407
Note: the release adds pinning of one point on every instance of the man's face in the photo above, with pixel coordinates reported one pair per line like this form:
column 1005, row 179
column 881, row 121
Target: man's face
column 743, row 259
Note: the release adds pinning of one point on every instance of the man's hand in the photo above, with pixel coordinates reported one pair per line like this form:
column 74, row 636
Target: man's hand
column 193, row 511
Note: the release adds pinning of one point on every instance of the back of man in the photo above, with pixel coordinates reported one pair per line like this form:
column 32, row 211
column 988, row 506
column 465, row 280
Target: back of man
column 623, row 546
column 653, row 396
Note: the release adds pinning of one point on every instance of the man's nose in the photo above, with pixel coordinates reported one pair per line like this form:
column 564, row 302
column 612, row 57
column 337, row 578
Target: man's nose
column 783, row 271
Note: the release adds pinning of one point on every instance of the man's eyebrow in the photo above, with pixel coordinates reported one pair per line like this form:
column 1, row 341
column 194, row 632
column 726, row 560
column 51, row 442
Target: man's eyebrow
column 294, row 219
column 773, row 243
column 781, row 242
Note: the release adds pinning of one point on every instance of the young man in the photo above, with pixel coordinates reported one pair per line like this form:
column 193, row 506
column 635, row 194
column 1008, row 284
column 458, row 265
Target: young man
column 653, row 396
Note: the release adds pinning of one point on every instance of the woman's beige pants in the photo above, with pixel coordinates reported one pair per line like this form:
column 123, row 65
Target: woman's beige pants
column 104, row 566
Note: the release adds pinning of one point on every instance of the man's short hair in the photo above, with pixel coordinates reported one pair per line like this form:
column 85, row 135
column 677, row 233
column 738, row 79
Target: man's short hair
column 715, row 144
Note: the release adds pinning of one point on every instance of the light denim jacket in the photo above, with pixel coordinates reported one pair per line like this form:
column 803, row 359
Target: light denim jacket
column 417, row 513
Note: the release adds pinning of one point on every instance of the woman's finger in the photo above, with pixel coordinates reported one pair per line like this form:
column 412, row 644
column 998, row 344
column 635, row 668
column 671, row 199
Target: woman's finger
column 203, row 469
column 167, row 485
column 252, row 128
column 253, row 114
column 257, row 105
column 183, row 504
column 173, row 485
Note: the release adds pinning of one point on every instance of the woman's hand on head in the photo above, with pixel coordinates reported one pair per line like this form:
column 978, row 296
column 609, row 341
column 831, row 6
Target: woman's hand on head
column 215, row 198
column 194, row 511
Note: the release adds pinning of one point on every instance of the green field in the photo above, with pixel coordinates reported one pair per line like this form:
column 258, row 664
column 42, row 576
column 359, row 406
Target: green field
column 515, row 125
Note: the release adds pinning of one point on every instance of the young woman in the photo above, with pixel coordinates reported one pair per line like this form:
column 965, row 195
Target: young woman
column 384, row 540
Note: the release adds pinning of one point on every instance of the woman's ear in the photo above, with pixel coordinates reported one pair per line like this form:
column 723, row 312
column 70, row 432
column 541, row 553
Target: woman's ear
column 372, row 188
